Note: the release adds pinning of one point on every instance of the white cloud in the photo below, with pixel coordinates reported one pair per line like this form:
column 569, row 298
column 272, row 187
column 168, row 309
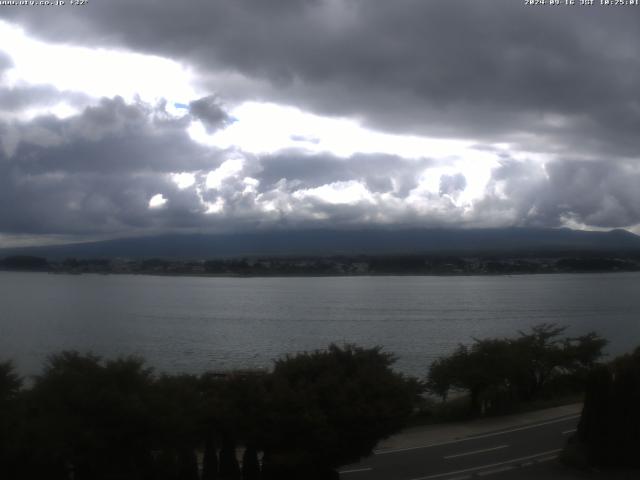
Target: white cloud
column 157, row 201
column 95, row 72
column 350, row 192
column 228, row 169
column 183, row 179
column 215, row 207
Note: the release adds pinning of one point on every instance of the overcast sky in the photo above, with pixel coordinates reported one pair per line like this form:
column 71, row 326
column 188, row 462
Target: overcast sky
column 123, row 118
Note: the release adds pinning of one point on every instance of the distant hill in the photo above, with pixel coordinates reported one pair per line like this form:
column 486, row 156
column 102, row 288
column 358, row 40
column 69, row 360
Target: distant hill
column 335, row 242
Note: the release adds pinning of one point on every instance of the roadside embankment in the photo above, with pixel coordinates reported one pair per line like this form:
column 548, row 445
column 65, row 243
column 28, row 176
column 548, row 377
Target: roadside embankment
column 439, row 433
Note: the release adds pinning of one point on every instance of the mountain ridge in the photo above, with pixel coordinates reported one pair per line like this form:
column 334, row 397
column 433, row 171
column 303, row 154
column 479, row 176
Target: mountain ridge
column 344, row 242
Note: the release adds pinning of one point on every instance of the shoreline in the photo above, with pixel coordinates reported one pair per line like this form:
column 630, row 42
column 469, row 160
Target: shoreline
column 324, row 275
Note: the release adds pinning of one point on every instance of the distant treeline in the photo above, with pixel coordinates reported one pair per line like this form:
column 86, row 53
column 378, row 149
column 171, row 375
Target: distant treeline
column 560, row 262
column 85, row 418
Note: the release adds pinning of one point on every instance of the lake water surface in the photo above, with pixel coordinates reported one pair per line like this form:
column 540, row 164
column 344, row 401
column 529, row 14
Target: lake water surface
column 192, row 324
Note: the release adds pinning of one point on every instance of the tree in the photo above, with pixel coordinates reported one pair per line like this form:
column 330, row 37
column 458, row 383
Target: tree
column 442, row 373
column 176, row 406
column 497, row 373
column 210, row 459
column 537, row 354
column 593, row 428
column 250, row 464
column 10, row 432
column 609, row 428
column 583, row 353
column 10, row 382
column 483, row 370
column 329, row 408
column 233, row 413
column 90, row 417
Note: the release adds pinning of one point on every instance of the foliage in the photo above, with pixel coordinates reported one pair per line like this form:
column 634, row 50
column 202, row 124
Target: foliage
column 91, row 419
column 609, row 428
column 10, row 389
column 329, row 408
column 498, row 373
column 10, row 382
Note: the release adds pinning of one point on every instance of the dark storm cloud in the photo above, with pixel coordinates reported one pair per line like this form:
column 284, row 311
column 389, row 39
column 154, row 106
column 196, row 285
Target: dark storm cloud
column 457, row 68
column 16, row 99
column 594, row 193
column 558, row 81
column 591, row 193
column 210, row 112
column 111, row 137
column 95, row 173
column 75, row 203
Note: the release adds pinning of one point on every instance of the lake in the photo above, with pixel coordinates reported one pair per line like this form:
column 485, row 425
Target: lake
column 191, row 324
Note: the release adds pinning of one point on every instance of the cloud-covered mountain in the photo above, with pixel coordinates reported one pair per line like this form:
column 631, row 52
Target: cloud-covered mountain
column 358, row 242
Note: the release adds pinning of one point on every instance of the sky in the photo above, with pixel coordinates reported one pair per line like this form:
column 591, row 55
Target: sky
column 125, row 118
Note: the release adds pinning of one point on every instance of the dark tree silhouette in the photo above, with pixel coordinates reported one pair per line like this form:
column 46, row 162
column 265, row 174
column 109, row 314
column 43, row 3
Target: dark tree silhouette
column 176, row 405
column 10, row 428
column 330, row 408
column 250, row 464
column 229, row 466
column 609, row 428
column 498, row 373
column 234, row 414
column 89, row 419
column 210, row 459
column 92, row 418
column 10, row 382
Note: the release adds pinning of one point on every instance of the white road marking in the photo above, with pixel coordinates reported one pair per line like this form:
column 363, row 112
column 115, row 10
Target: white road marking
column 567, row 432
column 356, row 470
column 493, row 471
column 491, row 465
column 466, row 439
column 475, row 451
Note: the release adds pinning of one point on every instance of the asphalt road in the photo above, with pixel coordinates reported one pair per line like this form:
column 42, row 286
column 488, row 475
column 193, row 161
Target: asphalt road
column 495, row 453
